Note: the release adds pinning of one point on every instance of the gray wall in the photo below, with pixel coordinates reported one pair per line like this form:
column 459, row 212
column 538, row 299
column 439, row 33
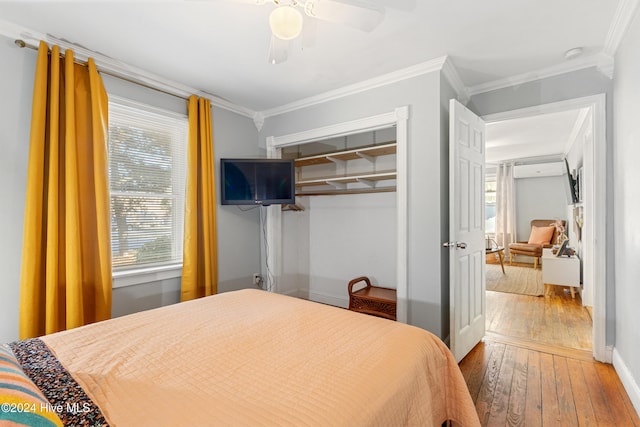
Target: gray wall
column 538, row 198
column 563, row 87
column 238, row 231
column 627, row 202
column 350, row 236
column 422, row 94
column 16, row 86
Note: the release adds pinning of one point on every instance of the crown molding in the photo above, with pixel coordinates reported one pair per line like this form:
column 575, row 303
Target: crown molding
column 624, row 14
column 383, row 80
column 118, row 68
column 602, row 61
column 258, row 120
column 451, row 74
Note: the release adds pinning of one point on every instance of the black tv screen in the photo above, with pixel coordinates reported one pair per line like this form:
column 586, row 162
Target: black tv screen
column 257, row 181
column 572, row 193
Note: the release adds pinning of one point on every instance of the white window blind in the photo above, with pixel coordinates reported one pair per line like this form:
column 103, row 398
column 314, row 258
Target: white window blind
column 147, row 171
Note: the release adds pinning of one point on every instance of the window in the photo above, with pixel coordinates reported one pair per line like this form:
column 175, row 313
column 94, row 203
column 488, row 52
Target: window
column 490, row 205
column 147, row 172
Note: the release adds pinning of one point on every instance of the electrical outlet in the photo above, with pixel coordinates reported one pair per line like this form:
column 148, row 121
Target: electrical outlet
column 257, row 279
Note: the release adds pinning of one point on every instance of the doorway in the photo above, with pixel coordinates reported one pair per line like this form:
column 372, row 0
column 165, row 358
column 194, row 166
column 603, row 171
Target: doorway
column 593, row 162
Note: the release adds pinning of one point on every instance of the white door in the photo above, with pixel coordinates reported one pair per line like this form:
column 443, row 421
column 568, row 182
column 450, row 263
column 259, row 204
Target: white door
column 466, row 229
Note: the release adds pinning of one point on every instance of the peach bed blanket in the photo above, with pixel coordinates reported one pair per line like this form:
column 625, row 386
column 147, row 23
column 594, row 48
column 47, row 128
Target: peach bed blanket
column 253, row 358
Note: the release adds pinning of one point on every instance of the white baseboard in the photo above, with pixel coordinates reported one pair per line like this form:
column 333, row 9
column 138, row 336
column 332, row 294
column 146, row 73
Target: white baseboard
column 324, row 298
column 608, row 354
column 291, row 293
column 629, row 383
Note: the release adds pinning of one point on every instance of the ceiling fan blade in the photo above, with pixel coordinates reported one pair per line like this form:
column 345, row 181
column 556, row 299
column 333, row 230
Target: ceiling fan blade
column 356, row 13
column 278, row 50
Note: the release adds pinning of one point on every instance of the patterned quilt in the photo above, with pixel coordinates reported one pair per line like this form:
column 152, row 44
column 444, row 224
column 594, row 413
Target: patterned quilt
column 66, row 397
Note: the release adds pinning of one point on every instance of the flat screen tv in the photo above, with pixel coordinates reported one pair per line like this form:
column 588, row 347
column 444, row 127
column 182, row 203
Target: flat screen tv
column 572, row 191
column 257, row 181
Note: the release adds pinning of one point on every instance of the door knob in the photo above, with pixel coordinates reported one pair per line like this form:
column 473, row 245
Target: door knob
column 457, row 245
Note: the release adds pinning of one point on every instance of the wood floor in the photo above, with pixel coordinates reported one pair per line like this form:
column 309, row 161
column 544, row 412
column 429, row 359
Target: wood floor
column 512, row 385
column 535, row 367
column 555, row 320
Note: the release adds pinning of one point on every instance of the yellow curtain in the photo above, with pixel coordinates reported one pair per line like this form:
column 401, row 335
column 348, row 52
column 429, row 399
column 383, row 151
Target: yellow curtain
column 66, row 255
column 200, row 260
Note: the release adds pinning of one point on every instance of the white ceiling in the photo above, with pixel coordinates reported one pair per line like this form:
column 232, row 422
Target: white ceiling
column 546, row 135
column 220, row 47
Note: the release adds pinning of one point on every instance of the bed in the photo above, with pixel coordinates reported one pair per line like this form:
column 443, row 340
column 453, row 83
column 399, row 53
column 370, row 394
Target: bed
column 247, row 358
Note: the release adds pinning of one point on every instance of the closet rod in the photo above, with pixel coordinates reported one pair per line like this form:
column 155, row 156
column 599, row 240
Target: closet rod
column 23, row 44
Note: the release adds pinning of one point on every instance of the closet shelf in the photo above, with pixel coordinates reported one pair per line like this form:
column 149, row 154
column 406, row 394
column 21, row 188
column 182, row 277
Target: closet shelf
column 350, row 191
column 368, row 178
column 358, row 153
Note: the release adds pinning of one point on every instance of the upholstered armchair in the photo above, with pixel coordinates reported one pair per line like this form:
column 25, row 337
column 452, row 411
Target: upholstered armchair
column 543, row 235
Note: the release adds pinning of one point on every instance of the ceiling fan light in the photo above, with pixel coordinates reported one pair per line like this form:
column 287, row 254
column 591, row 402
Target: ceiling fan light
column 285, row 22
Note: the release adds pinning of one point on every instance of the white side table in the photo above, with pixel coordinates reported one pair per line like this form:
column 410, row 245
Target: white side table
column 561, row 271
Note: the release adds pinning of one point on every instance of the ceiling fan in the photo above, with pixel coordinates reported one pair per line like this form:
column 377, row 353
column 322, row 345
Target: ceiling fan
column 289, row 17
